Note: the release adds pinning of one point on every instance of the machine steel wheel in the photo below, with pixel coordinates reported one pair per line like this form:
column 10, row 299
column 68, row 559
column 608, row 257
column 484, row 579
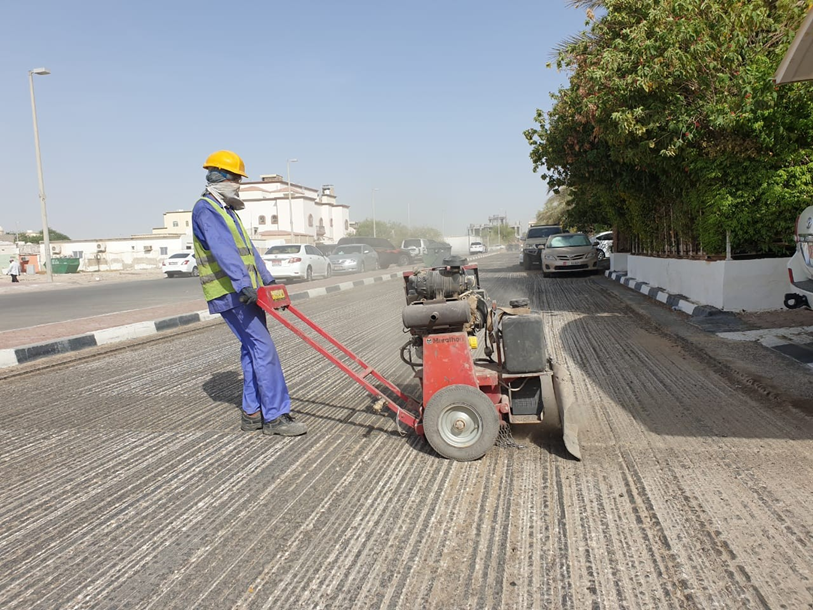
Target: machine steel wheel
column 461, row 423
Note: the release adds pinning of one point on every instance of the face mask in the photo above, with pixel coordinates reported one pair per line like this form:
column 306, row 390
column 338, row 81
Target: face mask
column 226, row 189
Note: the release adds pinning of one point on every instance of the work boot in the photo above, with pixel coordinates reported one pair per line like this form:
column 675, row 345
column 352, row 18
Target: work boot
column 284, row 425
column 250, row 422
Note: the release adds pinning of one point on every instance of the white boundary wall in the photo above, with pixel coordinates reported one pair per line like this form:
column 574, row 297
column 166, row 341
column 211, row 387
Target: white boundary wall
column 750, row 285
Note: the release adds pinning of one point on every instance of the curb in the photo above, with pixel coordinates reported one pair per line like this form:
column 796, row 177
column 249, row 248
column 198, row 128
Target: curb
column 677, row 302
column 28, row 353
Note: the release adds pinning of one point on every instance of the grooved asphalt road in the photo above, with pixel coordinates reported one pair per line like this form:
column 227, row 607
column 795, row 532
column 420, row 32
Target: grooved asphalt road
column 127, row 483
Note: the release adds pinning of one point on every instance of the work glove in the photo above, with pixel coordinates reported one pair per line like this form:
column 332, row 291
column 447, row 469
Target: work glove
column 248, row 295
column 269, row 282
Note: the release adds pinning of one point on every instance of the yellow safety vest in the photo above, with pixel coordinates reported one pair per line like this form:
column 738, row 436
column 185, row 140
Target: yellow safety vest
column 214, row 280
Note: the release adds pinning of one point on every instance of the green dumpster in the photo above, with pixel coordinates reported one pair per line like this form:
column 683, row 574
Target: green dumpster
column 435, row 253
column 64, row 265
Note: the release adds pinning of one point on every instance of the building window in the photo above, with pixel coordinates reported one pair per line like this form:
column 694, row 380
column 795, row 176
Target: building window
column 133, row 247
column 174, row 223
column 331, row 223
column 346, row 225
column 310, row 220
column 164, row 251
column 274, row 219
column 78, row 253
column 261, row 220
column 322, row 222
column 187, row 223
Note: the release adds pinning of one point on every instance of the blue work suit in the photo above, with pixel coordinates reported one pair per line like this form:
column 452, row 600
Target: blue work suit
column 264, row 387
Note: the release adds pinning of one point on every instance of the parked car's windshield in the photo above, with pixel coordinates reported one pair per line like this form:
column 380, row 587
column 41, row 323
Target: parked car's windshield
column 412, row 243
column 347, row 250
column 180, row 255
column 283, row 250
column 564, row 241
column 543, row 231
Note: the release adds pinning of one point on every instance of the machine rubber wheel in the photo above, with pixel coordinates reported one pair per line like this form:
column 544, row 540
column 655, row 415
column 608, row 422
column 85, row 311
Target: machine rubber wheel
column 329, row 271
column 403, row 260
column 195, row 272
column 308, row 274
column 526, row 262
column 600, row 254
column 461, row 423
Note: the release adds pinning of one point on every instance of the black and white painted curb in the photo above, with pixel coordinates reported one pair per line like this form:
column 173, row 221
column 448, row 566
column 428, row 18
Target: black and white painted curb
column 795, row 342
column 675, row 301
column 29, row 353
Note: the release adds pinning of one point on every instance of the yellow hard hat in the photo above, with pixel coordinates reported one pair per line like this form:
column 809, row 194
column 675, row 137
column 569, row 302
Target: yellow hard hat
column 226, row 159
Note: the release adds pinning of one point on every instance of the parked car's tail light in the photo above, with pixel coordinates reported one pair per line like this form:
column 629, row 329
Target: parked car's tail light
column 295, row 259
column 790, row 274
column 186, row 262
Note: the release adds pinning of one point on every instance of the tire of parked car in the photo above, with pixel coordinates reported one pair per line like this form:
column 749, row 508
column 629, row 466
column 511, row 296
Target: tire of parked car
column 600, row 254
column 329, row 271
column 403, row 260
column 195, row 272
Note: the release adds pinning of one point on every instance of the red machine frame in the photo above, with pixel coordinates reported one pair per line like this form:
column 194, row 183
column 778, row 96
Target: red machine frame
column 274, row 299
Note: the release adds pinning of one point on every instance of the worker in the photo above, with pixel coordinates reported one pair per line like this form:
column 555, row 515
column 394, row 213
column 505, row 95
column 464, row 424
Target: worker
column 231, row 271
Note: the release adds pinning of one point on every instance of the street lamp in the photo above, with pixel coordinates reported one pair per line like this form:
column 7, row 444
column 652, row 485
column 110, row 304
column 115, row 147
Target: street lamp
column 373, row 197
column 45, row 234
column 290, row 206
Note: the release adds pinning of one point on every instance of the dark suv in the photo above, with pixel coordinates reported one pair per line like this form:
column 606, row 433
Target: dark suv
column 535, row 242
column 387, row 253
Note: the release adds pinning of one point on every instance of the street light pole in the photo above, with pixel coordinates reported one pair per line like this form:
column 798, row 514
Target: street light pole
column 45, row 233
column 290, row 205
column 373, row 197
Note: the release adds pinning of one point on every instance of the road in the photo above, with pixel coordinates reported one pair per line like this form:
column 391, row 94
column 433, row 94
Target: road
column 127, row 482
column 26, row 309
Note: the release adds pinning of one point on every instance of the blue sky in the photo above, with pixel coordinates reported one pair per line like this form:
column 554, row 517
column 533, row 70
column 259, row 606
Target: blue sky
column 426, row 101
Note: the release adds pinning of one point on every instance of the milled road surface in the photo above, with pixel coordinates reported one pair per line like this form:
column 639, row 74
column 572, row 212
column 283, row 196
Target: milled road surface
column 127, row 482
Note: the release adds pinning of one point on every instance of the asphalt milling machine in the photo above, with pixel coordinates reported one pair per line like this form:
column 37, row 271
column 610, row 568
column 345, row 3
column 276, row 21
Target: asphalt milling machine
column 465, row 402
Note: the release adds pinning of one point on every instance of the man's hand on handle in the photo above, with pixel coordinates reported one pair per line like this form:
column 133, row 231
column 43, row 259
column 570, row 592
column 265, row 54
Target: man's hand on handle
column 248, row 295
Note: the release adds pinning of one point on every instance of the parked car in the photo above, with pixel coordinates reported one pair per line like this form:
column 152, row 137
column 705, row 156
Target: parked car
column 181, row 263
column 604, row 243
column 568, row 252
column 535, row 241
column 477, row 247
column 349, row 258
column 296, row 262
column 387, row 253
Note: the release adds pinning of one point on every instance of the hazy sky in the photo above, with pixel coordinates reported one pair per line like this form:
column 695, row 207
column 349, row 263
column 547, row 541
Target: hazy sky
column 426, row 101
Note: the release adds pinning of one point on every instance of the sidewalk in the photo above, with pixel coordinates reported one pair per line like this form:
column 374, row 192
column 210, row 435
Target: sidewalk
column 32, row 343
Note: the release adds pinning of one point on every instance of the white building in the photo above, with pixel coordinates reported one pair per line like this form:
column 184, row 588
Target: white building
column 317, row 217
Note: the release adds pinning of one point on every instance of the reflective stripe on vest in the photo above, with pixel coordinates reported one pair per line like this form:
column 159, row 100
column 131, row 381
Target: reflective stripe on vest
column 213, row 279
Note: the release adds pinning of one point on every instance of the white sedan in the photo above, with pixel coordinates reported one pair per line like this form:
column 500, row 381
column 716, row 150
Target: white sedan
column 477, row 247
column 182, row 263
column 296, row 262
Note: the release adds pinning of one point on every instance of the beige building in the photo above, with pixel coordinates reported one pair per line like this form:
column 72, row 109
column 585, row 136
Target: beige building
column 175, row 223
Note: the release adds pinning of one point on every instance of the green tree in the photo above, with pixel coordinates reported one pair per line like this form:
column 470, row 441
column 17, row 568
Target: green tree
column 37, row 238
column 671, row 129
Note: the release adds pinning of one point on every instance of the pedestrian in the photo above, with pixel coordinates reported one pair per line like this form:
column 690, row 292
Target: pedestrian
column 13, row 270
column 231, row 271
